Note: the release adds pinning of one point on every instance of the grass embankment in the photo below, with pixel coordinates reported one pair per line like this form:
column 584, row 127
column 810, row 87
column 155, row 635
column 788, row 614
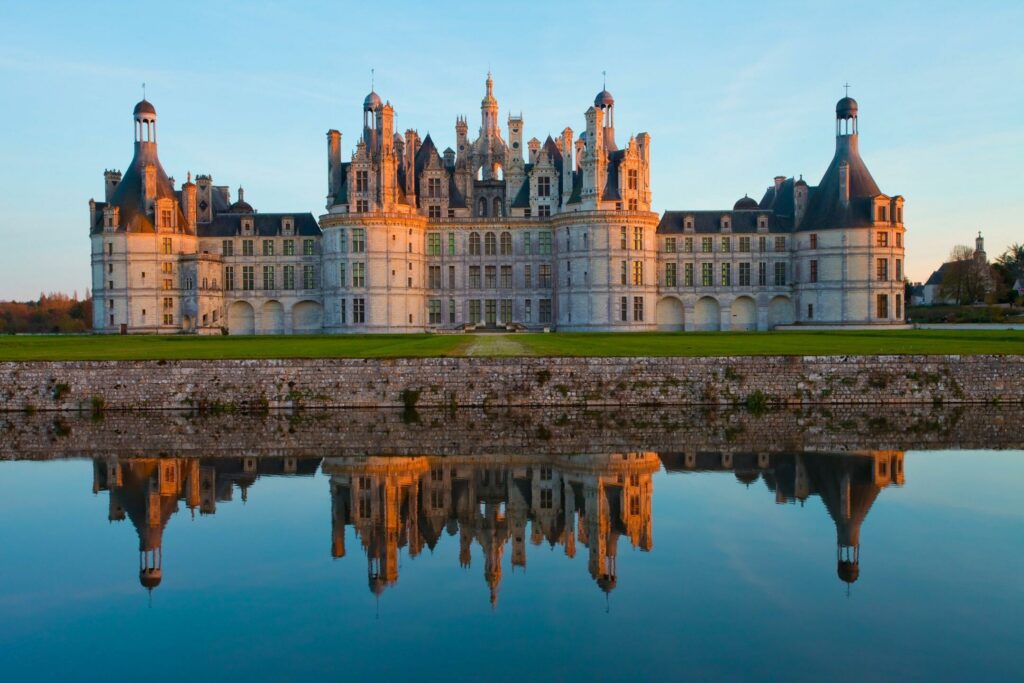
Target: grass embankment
column 797, row 343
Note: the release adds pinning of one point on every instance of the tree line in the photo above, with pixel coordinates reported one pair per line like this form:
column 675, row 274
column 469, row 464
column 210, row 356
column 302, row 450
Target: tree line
column 967, row 279
column 51, row 313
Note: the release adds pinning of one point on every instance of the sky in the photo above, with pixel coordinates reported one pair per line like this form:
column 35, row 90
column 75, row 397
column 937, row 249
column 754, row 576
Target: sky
column 732, row 94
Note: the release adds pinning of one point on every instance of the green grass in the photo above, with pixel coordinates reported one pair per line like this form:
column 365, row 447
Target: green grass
column 966, row 342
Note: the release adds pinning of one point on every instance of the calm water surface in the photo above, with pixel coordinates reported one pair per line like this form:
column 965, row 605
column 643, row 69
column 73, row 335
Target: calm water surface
column 880, row 565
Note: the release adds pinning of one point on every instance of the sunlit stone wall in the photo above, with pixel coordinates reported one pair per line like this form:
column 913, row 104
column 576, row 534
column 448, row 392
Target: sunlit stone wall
column 757, row 382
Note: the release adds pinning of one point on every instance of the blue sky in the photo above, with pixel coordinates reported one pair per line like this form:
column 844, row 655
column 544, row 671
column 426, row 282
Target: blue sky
column 732, row 94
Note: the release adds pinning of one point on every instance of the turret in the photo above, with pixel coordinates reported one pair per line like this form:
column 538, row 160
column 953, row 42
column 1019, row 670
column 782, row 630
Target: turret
column 188, row 202
column 489, row 110
column 333, row 165
column 111, row 179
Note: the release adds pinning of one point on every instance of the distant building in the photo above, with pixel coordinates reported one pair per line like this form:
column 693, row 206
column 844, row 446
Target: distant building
column 932, row 290
column 494, row 233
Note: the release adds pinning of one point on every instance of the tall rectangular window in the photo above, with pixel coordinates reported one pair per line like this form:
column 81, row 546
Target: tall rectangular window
column 543, row 186
column 544, row 276
column 289, row 277
column 882, row 269
column 813, row 240
column 882, row 306
column 544, row 313
column 670, row 245
column 434, row 312
column 341, row 276
column 780, row 244
column 268, row 277
column 268, row 247
column 726, row 274
column 342, row 311
column 622, row 238
column 814, row 271
column 638, row 238
column 899, row 270
column 289, row 247
column 527, row 246
column 528, row 310
column 227, row 248
column 362, row 206
column 762, row 274
column 638, row 309
column 624, row 309
column 451, row 311
column 434, row 280
column 527, row 276
column 433, row 187
column 358, row 240
column 359, row 310
column 670, row 275
column 899, row 306
column 308, row 277
column 638, row 273
column 624, row 273
column 744, row 244
column 632, row 179
column 490, row 277
column 688, row 245
column 247, row 249
column 434, row 211
column 248, row 278
column 726, row 244
column 167, row 245
column 433, row 244
column 544, row 243
column 506, row 310
column 706, row 245
column 543, row 211
column 744, row 275
column 362, row 181
column 307, row 247
column 359, row 274
column 780, row 274
column 451, row 244
column 451, row 277
column 688, row 274
column 706, row 275
column 474, row 277
column 474, row 311
column 506, row 277
column 229, row 277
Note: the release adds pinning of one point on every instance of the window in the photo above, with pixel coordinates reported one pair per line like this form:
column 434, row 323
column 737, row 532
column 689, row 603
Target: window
column 434, row 187
column 706, row 275
column 490, row 277
column 110, row 249
column 506, row 277
column 726, row 274
column 899, row 306
column 670, row 275
column 362, row 181
column 670, row 245
column 762, row 243
column 268, row 277
column 726, row 244
column 638, row 273
column 434, row 280
column 342, row 311
column 307, row 247
column 474, row 244
column 506, row 244
column 528, row 310
column 289, row 247
column 490, row 244
column 289, row 276
column 308, row 277
column 362, row 206
column 451, row 311
column 899, row 216
column 813, row 241
column 248, row 278
column 813, row 275
column 744, row 275
column 359, row 310
column 688, row 275
column 899, row 270
column 165, row 218
column 247, row 249
column 527, row 246
column 544, row 276
column 167, row 245
column 166, row 267
column 706, row 245
column 632, row 179
column 638, row 309
column 688, row 245
column 544, row 243
column 624, row 273
column 474, row 277
column 227, row 248
column 882, row 239
column 544, row 312
column 622, row 238
column 810, row 311
column 762, row 274
column 745, row 244
column 780, row 244
column 490, row 311
column 359, row 274
column 474, row 311
column 229, row 277
column 883, row 213
column 506, row 310
column 451, row 277
column 624, row 309
column 633, row 206
column 433, row 244
column 268, row 247
column 899, row 239
column 168, row 319
column 358, row 240
column 882, row 306
column 341, row 276
column 434, row 312
column 882, row 269
column 544, row 211
column 780, row 274
column 543, row 186
column 638, row 238
column 167, row 284
column 451, row 244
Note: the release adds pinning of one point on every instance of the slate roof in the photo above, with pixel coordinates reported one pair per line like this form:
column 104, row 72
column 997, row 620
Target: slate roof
column 264, row 225
column 825, row 211
column 707, row 222
column 128, row 193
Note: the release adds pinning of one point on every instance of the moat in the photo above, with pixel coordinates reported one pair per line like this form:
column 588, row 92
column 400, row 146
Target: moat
column 601, row 544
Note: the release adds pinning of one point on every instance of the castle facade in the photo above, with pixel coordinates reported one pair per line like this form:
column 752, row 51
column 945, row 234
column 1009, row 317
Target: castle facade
column 496, row 233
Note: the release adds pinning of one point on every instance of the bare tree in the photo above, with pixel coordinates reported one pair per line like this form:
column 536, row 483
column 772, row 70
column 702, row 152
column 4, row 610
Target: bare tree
column 965, row 279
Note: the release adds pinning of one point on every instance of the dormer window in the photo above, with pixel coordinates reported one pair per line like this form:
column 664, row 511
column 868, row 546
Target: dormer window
column 762, row 222
column 883, row 214
column 688, row 224
column 246, row 226
column 288, row 226
column 726, row 223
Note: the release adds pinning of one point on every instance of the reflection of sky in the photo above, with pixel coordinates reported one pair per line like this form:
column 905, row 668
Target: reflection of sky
column 736, row 587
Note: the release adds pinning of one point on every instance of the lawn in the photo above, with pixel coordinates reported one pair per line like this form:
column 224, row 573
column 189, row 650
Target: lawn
column 795, row 343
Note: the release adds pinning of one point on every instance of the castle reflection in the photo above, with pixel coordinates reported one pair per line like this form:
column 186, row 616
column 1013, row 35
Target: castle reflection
column 580, row 503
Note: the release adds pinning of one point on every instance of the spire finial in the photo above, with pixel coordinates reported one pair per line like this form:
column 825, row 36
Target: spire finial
column 847, row 86
column 143, row 90
column 371, row 79
column 604, row 80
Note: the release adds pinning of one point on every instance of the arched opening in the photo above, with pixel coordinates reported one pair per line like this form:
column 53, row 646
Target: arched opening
column 497, row 172
column 499, row 210
column 707, row 315
column 307, row 317
column 480, row 173
column 780, row 311
column 241, row 318
column 482, row 210
column 272, row 318
column 744, row 314
column 669, row 314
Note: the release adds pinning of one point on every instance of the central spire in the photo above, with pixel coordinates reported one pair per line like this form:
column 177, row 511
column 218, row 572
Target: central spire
column 489, row 108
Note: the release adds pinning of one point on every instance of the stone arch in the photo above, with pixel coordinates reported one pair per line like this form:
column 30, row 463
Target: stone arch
column 241, row 318
column 743, row 313
column 272, row 318
column 482, row 207
column 669, row 314
column 780, row 311
column 499, row 208
column 707, row 314
column 307, row 317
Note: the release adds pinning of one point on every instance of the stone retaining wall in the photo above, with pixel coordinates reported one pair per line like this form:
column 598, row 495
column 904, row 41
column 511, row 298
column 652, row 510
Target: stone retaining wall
column 214, row 386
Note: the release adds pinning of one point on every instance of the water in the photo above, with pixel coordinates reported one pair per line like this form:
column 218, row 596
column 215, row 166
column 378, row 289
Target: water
column 702, row 562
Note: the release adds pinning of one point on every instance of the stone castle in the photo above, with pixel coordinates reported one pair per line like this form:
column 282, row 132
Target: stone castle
column 497, row 234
